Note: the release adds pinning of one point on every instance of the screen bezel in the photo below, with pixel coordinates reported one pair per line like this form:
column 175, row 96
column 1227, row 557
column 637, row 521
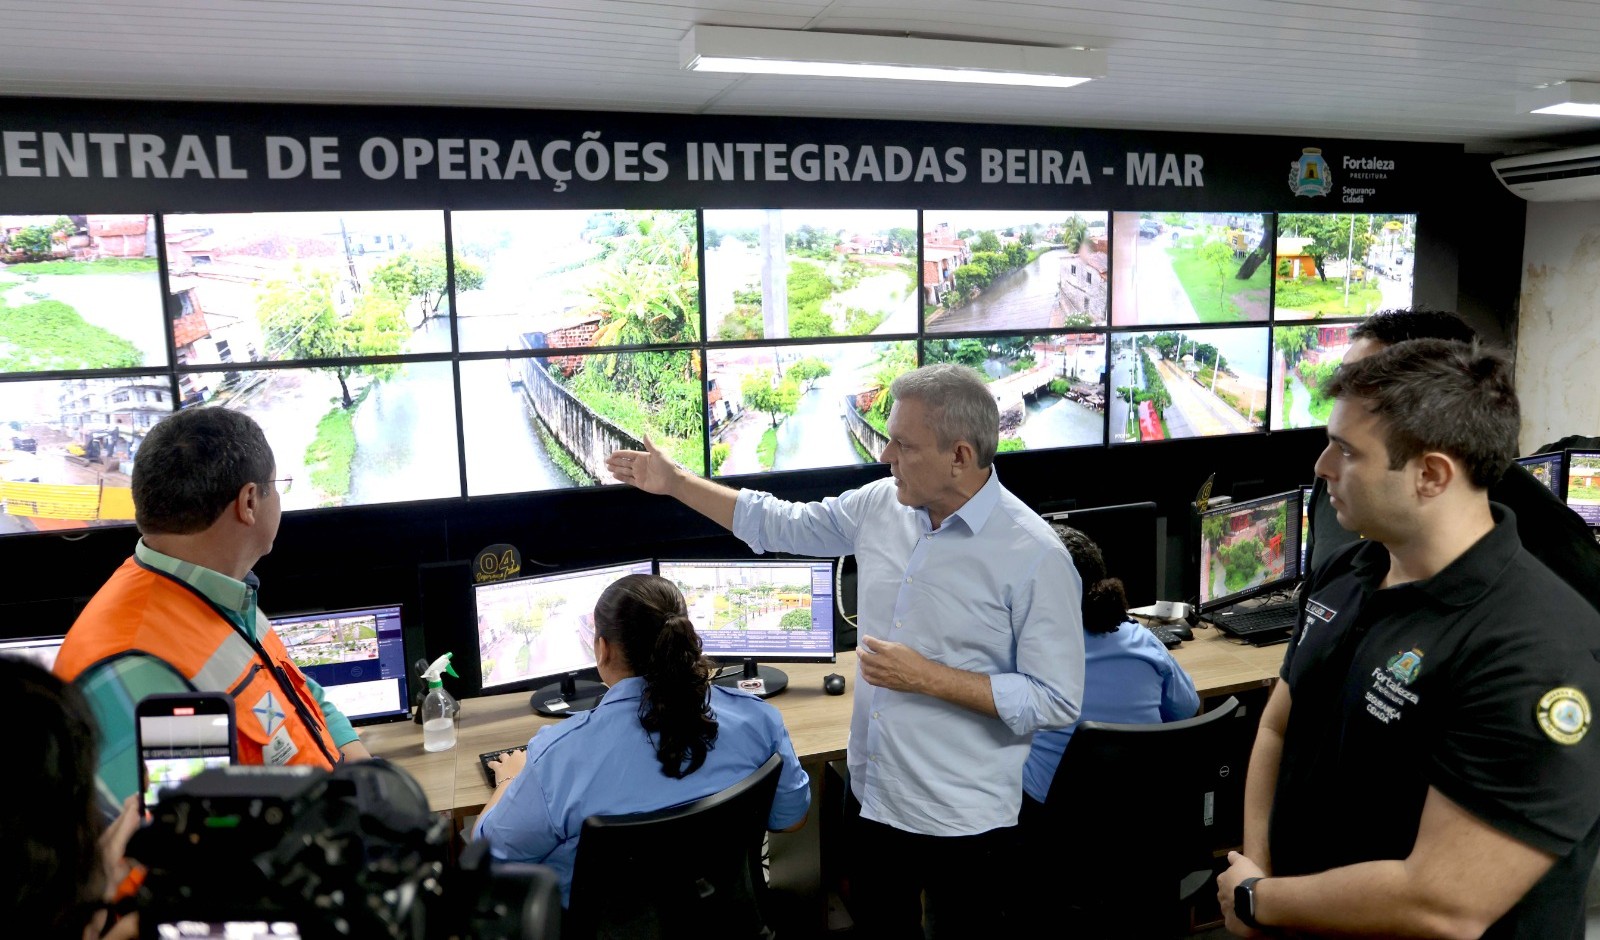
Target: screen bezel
column 382, row 718
column 1289, row 577
column 1559, row 473
column 529, row 683
column 833, row 655
column 14, row 640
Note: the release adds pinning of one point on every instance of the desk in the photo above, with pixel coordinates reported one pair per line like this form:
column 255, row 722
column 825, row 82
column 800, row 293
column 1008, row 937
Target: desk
column 818, row 724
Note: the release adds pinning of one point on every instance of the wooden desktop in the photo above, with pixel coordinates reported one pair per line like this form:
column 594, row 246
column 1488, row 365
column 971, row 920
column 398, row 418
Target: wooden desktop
column 818, row 723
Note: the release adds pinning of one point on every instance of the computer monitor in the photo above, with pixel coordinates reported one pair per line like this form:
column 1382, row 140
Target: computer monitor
column 1582, row 491
column 538, row 633
column 39, row 650
column 1249, row 548
column 358, row 656
column 1126, row 534
column 1549, row 469
column 750, row 610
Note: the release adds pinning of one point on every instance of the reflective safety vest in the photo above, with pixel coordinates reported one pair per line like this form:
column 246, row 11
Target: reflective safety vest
column 141, row 610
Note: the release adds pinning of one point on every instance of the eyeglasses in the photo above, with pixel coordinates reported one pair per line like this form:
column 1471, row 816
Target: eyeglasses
column 284, row 485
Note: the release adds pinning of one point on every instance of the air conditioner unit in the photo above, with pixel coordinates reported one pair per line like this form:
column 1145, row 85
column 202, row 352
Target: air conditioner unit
column 1554, row 176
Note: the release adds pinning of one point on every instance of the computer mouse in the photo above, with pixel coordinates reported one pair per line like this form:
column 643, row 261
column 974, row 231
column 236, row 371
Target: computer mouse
column 833, row 684
column 1179, row 630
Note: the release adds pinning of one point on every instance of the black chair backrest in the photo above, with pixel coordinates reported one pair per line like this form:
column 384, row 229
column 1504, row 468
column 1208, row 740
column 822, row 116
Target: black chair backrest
column 1147, row 804
column 691, row 870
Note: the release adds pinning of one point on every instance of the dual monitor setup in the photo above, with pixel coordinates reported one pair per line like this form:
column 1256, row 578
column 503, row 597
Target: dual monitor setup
column 538, row 632
column 1574, row 477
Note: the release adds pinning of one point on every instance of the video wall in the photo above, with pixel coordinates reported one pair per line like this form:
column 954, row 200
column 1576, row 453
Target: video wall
column 387, row 367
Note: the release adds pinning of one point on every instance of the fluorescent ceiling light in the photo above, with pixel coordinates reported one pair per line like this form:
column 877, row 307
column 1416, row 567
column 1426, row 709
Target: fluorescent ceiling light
column 1569, row 99
column 852, row 55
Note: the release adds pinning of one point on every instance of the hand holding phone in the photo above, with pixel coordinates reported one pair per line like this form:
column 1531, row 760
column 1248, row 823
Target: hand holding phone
column 178, row 736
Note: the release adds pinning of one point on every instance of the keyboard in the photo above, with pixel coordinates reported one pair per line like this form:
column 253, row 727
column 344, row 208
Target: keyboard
column 1252, row 621
column 487, row 756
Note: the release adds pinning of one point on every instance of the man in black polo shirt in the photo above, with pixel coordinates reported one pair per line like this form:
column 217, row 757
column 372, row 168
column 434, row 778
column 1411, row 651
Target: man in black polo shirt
column 1425, row 767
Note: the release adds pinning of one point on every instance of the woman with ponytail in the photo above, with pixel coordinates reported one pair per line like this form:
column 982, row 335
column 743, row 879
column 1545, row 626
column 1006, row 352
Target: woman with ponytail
column 1129, row 677
column 661, row 736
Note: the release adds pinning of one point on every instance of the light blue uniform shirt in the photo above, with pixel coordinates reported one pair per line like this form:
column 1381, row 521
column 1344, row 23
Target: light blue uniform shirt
column 602, row 761
column 1129, row 678
column 992, row 591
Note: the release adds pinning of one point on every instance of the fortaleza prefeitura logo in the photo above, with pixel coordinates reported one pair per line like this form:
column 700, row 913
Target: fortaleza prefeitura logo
column 1309, row 175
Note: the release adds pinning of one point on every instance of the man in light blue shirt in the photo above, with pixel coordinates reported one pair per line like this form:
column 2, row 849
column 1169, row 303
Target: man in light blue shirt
column 971, row 639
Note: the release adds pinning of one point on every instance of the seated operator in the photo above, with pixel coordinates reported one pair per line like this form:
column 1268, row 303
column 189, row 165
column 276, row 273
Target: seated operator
column 181, row 614
column 1129, row 677
column 698, row 738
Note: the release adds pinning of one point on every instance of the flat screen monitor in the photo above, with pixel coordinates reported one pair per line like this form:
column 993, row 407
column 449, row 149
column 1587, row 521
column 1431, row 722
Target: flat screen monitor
column 1249, row 548
column 1583, row 485
column 39, row 650
column 749, row 610
column 358, row 656
column 1548, row 469
column 1127, row 537
column 539, row 631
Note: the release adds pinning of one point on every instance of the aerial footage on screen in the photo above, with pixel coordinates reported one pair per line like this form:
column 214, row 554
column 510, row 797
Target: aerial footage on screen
column 758, row 609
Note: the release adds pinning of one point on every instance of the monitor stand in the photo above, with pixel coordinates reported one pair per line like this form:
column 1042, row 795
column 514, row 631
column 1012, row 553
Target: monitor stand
column 571, row 694
column 772, row 681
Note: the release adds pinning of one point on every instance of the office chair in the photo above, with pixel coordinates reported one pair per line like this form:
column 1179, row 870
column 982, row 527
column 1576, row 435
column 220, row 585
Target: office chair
column 508, row 898
column 689, row 871
column 1134, row 817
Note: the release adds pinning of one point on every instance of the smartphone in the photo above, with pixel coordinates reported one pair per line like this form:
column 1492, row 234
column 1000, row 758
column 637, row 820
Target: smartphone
column 179, row 735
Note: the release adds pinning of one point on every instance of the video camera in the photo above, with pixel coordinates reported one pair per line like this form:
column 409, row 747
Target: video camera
column 296, row 853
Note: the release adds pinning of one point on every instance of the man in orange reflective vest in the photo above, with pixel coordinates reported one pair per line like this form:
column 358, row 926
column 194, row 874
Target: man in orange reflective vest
column 181, row 614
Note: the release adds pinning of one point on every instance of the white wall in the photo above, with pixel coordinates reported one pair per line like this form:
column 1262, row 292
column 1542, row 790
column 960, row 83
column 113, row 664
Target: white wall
column 1558, row 328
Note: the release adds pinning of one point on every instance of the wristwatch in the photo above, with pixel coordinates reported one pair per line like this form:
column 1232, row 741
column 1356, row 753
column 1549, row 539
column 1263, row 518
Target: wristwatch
column 1244, row 903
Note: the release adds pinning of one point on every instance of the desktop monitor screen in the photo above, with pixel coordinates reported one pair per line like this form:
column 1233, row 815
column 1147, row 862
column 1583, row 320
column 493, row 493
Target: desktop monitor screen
column 1547, row 469
column 1127, row 538
column 357, row 656
column 1249, row 548
column 39, row 650
column 543, row 626
column 776, row 611
column 1583, row 485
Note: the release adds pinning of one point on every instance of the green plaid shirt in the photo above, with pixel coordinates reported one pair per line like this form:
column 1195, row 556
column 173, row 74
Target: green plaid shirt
column 113, row 689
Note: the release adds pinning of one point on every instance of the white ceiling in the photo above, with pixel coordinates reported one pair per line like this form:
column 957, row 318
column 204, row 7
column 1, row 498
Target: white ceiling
column 1399, row 69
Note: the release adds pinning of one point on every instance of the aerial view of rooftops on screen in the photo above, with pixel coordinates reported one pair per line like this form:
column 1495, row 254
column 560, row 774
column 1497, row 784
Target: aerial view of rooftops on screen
column 803, row 273
column 1190, row 267
column 1011, row 270
column 1338, row 265
column 1198, row 383
column 1049, row 388
column 1245, row 547
column 329, row 640
column 757, row 609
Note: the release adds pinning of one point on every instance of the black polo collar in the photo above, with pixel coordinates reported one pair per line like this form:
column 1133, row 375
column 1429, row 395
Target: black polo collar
column 1464, row 581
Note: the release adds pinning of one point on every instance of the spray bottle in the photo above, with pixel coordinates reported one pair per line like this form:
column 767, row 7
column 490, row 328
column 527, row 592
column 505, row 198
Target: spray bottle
column 439, row 708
